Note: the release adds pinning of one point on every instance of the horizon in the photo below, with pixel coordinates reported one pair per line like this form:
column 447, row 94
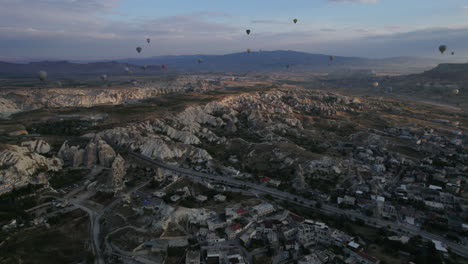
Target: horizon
column 124, row 60
column 112, row 29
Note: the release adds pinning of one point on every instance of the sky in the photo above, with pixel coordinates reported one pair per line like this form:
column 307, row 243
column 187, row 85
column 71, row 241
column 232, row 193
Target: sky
column 112, row 29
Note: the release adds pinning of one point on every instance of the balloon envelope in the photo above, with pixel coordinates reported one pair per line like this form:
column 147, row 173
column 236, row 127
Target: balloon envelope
column 247, row 31
column 139, row 49
column 42, row 75
column 295, row 20
column 442, row 48
column 148, row 40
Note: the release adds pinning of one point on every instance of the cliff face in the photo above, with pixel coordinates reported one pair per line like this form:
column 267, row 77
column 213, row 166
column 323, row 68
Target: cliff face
column 267, row 116
column 30, row 99
column 97, row 153
column 23, row 165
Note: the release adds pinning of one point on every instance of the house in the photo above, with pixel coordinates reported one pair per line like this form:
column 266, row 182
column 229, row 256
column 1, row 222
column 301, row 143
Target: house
column 274, row 183
column 348, row 200
column 213, row 238
column 232, row 231
column 159, row 194
column 219, row 198
column 434, row 205
column 440, row 247
column 213, row 256
column 310, row 259
column 354, row 246
column 192, row 257
column 365, row 258
column 175, row 198
column 201, row 198
column 215, row 223
column 235, row 259
column 264, row 209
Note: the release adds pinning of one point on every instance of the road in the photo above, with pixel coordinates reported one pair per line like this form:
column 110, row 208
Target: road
column 328, row 209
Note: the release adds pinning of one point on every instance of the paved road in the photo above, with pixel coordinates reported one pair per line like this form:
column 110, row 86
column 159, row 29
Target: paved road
column 328, row 209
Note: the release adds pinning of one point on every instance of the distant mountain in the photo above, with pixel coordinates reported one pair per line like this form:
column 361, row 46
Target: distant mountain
column 69, row 69
column 455, row 72
column 278, row 60
column 264, row 61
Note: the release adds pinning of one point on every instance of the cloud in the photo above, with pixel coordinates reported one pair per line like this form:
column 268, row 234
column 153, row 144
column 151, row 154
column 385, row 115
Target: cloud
column 82, row 28
column 270, row 22
column 355, row 1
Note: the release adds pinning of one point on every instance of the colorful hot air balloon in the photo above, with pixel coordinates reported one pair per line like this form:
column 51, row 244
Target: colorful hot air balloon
column 247, row 31
column 442, row 48
column 455, row 91
column 332, row 58
column 200, row 61
column 375, row 84
column 42, row 75
column 139, row 49
column 148, row 40
column 295, row 20
column 248, row 51
column 453, row 53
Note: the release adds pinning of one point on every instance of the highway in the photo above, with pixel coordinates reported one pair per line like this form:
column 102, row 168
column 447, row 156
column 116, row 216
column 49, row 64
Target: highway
column 299, row 200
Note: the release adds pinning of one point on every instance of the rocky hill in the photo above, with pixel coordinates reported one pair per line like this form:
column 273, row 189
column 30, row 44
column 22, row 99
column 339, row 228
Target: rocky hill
column 454, row 72
column 19, row 100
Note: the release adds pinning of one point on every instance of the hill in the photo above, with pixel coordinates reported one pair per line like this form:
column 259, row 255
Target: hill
column 262, row 61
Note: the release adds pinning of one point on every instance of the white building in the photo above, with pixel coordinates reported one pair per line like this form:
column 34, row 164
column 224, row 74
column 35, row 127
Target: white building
column 264, row 209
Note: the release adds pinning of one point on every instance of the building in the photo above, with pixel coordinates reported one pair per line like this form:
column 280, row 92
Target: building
column 201, row 198
column 264, row 209
column 219, row 198
column 192, row 257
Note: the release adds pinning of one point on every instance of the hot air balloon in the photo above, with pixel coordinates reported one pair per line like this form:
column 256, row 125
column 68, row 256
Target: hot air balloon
column 42, row 75
column 144, row 67
column 455, row 91
column 247, row 31
column 248, row 51
column 453, row 52
column 148, row 40
column 287, row 66
column 295, row 20
column 139, row 49
column 332, row 58
column 375, row 84
column 442, row 48
column 200, row 61
column 163, row 66
column 104, row 77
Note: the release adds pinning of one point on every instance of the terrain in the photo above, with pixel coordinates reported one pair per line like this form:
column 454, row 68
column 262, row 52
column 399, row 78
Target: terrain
column 239, row 166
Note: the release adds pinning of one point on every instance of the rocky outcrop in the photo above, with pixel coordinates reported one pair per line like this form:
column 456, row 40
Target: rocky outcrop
column 26, row 100
column 20, row 166
column 117, row 174
column 38, row 146
column 96, row 152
